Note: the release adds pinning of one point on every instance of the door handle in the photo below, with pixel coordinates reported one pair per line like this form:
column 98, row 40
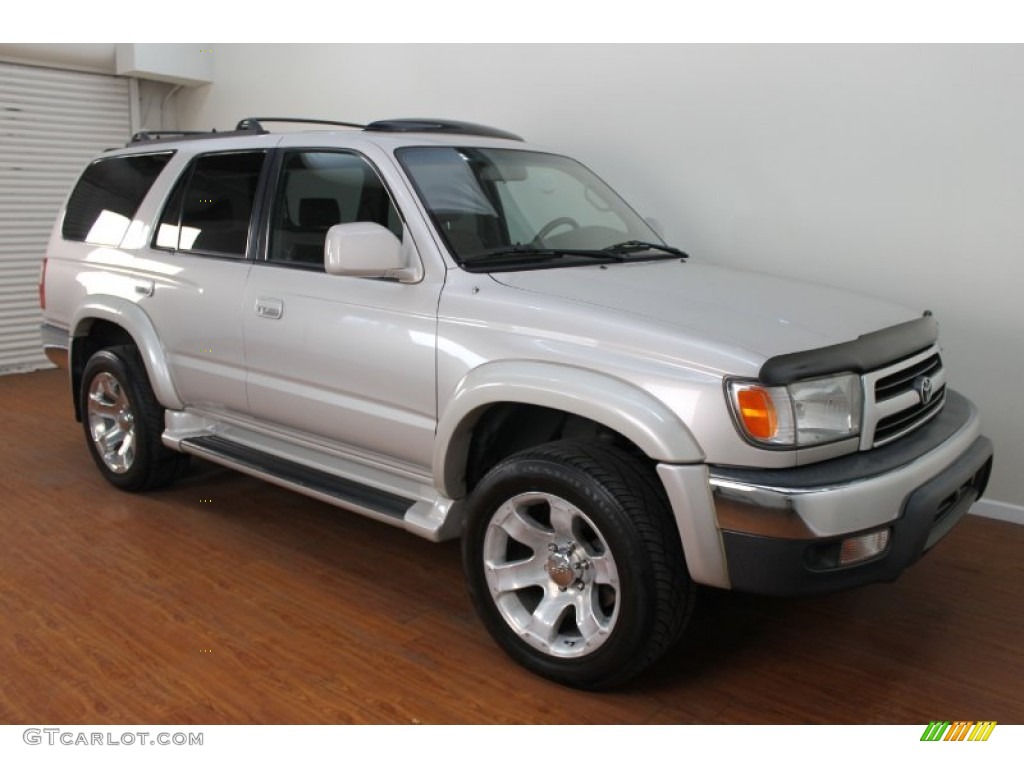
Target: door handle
column 272, row 309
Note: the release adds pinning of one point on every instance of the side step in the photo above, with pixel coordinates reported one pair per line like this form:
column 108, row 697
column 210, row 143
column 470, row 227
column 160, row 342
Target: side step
column 369, row 501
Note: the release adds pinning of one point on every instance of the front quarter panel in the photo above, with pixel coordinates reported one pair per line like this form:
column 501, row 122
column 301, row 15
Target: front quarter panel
column 627, row 409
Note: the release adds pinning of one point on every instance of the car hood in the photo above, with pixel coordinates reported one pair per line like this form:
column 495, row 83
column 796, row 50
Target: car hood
column 758, row 313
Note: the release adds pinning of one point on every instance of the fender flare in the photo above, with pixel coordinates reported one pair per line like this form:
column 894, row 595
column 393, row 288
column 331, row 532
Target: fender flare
column 614, row 403
column 136, row 323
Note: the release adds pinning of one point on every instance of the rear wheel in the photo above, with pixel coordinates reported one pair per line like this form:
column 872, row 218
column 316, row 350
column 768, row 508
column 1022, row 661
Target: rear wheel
column 573, row 563
column 123, row 422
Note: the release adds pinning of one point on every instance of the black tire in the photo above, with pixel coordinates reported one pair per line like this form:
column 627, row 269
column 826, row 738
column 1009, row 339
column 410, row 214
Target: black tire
column 123, row 422
column 631, row 595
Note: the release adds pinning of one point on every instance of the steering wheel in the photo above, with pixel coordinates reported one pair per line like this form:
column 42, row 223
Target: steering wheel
column 547, row 229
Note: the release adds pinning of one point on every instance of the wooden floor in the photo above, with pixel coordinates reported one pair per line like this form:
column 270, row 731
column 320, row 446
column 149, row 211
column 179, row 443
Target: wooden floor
column 227, row 600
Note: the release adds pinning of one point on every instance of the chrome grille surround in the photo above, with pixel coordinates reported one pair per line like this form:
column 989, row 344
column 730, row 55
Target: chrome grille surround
column 893, row 404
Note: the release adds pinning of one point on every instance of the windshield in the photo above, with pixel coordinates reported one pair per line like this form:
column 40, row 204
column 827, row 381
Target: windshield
column 502, row 202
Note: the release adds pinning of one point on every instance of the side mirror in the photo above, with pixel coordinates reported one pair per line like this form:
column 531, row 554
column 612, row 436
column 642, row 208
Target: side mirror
column 365, row 249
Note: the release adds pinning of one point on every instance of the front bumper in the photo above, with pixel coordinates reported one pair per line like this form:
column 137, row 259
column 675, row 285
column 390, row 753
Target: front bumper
column 780, row 530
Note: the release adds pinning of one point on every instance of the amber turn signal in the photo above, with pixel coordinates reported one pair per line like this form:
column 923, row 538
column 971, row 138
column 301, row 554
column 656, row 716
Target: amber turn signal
column 757, row 412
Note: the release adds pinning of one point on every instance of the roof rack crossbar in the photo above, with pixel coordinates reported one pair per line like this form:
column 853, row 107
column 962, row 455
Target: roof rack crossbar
column 256, row 123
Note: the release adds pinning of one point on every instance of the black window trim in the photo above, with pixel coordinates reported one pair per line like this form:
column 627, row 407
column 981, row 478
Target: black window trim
column 255, row 217
column 275, row 168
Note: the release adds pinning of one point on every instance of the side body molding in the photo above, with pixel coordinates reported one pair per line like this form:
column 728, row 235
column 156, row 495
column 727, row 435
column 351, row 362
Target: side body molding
column 136, row 323
column 612, row 402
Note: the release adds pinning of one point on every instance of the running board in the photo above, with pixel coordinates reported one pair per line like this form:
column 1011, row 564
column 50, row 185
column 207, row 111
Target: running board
column 372, row 502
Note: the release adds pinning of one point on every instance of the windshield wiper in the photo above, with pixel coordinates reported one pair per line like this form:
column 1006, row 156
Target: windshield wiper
column 635, row 246
column 525, row 252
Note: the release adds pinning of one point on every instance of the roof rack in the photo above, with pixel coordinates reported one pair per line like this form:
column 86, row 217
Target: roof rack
column 250, row 126
column 161, row 136
column 431, row 125
column 256, row 123
column 148, row 135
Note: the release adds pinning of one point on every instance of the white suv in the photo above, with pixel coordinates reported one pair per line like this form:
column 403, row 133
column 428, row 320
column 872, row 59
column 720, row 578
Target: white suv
column 436, row 325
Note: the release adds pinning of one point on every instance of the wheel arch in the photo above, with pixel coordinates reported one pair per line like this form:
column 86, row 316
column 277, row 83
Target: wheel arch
column 618, row 407
column 98, row 324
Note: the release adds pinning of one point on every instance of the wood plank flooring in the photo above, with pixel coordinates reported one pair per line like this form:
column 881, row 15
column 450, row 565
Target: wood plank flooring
column 228, row 600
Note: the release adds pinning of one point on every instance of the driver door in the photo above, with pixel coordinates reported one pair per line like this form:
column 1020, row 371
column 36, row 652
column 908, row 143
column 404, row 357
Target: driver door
column 344, row 360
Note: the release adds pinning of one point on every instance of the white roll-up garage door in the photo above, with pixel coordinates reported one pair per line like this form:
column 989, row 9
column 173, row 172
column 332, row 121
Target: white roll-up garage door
column 52, row 122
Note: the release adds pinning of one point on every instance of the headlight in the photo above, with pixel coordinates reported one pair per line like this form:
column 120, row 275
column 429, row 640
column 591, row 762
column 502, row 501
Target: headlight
column 798, row 415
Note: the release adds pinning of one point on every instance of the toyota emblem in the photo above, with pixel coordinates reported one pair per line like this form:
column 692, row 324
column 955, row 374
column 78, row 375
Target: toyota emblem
column 924, row 387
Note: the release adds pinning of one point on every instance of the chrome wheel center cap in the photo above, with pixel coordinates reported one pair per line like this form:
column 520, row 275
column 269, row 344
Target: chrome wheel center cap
column 560, row 568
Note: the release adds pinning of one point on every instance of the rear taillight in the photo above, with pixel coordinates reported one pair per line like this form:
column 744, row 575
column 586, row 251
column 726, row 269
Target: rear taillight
column 42, row 285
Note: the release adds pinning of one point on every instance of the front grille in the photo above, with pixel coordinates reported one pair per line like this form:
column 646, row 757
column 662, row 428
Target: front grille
column 891, row 427
column 898, row 404
column 897, row 383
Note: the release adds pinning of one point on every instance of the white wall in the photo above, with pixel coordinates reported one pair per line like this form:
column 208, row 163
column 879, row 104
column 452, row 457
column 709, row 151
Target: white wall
column 895, row 171
column 152, row 109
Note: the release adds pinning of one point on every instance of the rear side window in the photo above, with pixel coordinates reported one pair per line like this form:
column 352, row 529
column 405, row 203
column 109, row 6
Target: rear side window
column 107, row 196
column 211, row 206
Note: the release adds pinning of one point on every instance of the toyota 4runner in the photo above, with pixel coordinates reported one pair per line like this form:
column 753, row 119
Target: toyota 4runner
column 439, row 326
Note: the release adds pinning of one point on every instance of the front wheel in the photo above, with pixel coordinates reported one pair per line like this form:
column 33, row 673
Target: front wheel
column 573, row 562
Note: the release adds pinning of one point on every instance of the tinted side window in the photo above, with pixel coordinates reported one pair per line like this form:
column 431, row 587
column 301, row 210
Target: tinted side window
column 211, row 206
column 107, row 196
column 316, row 191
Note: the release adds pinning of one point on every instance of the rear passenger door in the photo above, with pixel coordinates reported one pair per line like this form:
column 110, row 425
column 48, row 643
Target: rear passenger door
column 345, row 360
column 197, row 272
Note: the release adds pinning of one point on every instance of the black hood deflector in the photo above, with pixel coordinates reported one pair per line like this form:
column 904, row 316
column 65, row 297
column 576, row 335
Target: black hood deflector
column 866, row 353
